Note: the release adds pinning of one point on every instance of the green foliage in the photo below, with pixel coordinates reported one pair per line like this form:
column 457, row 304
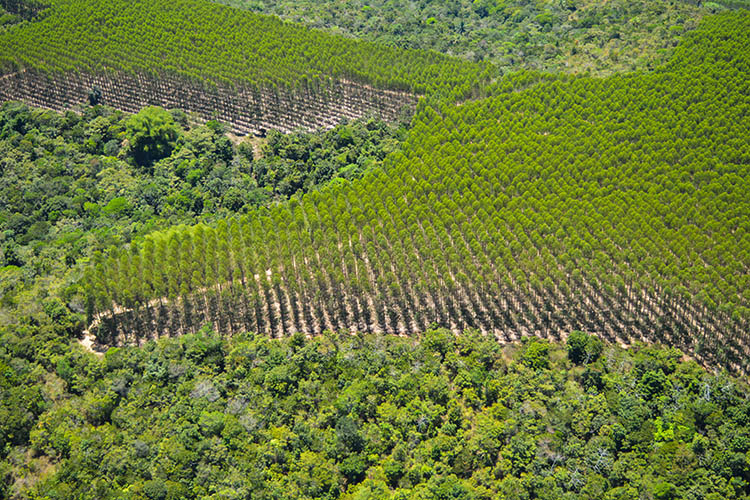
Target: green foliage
column 536, row 354
column 117, row 206
column 298, row 162
column 155, row 490
column 653, row 384
column 569, row 36
column 152, row 135
column 664, row 491
column 583, row 348
column 363, row 422
column 16, row 11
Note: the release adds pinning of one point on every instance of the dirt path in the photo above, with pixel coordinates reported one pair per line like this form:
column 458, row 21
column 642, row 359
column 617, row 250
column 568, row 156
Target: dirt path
column 90, row 344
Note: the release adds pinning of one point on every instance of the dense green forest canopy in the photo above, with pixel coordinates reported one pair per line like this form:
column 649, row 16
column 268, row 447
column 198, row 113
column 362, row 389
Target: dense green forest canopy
column 213, row 44
column 437, row 417
column 570, row 35
column 618, row 205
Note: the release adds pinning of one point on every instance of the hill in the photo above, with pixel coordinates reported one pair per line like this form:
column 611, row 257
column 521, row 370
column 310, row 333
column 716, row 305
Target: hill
column 251, row 71
column 373, row 311
column 618, row 206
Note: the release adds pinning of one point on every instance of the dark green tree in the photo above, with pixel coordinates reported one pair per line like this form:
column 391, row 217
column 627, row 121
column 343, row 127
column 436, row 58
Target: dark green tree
column 152, row 134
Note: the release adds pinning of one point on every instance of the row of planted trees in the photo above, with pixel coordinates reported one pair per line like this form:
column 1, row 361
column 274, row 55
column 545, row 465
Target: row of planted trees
column 617, row 206
column 246, row 110
column 212, row 44
column 253, row 72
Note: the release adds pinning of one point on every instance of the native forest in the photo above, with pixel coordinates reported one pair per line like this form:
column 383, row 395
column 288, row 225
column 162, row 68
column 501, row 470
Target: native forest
column 375, row 249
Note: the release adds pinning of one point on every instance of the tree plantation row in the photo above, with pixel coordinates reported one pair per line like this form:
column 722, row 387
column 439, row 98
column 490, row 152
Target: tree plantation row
column 209, row 44
column 246, row 110
column 619, row 206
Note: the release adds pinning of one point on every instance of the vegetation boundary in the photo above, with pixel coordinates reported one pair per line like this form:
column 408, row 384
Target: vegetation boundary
column 245, row 109
column 212, row 305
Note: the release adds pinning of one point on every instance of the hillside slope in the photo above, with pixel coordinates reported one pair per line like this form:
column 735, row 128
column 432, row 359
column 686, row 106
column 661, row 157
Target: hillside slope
column 575, row 36
column 254, row 72
column 617, row 206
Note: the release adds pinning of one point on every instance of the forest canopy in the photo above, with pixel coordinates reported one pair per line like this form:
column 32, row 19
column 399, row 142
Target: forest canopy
column 572, row 36
column 431, row 417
